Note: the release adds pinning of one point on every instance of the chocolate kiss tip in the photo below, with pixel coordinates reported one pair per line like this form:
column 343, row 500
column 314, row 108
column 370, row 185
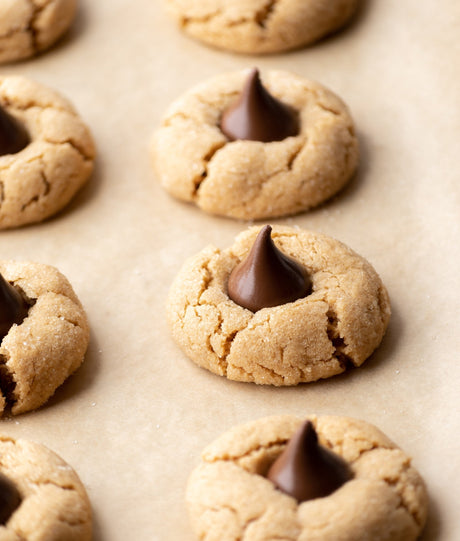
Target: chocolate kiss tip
column 257, row 115
column 13, row 136
column 13, row 308
column 9, row 498
column 306, row 470
column 267, row 277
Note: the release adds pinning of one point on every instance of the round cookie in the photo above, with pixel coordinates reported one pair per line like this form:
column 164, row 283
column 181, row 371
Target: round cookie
column 229, row 496
column 28, row 27
column 335, row 327
column 53, row 501
column 244, row 179
column 37, row 355
column 260, row 26
column 41, row 179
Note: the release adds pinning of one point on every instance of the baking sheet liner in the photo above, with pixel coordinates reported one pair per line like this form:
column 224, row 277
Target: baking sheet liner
column 133, row 420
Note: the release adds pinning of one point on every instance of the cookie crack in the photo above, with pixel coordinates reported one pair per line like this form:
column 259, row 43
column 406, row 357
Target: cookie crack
column 12, row 32
column 293, row 157
column 245, row 526
column 19, row 536
column 263, row 16
column 286, row 167
column 207, row 159
column 78, row 148
column 266, row 447
column 328, row 108
column 69, row 321
column 249, row 521
column 184, row 21
column 337, row 341
column 30, row 29
column 7, row 382
column 394, row 483
column 7, row 103
column 36, row 11
column 67, row 487
column 46, row 188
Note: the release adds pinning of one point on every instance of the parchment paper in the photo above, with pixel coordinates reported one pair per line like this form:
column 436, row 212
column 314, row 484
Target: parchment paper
column 133, row 420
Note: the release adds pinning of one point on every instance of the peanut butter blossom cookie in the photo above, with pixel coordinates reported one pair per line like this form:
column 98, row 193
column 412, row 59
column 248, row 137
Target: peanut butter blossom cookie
column 46, row 152
column 252, row 147
column 279, row 307
column 28, row 27
column 260, row 26
column 44, row 334
column 41, row 496
column 321, row 479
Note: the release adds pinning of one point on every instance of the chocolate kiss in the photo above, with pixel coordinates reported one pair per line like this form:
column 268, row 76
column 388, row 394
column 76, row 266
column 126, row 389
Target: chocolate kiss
column 267, row 277
column 306, row 470
column 9, row 498
column 13, row 136
column 13, row 308
column 258, row 116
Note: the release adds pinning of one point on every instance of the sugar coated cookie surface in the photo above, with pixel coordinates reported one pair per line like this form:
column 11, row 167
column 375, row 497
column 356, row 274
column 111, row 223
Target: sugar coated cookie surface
column 52, row 502
column 336, row 326
column 39, row 179
column 246, row 179
column 229, row 496
column 39, row 353
column 260, row 26
column 28, row 27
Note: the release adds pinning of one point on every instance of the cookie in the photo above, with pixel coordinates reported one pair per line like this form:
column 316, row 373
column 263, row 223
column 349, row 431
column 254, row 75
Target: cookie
column 335, row 326
column 28, row 27
column 197, row 162
column 49, row 502
column 46, row 343
column 46, row 152
column 230, row 497
column 260, row 26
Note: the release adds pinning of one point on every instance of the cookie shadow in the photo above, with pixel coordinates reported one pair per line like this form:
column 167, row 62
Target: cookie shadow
column 357, row 20
column 81, row 380
column 89, row 191
column 348, row 193
column 361, row 13
column 385, row 352
column 97, row 530
column 352, row 188
column 433, row 528
column 72, row 35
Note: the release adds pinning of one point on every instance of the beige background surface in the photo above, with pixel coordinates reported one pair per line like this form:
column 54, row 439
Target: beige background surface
column 134, row 418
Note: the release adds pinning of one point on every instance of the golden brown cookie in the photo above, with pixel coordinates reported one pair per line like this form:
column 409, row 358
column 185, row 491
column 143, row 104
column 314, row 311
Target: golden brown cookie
column 52, row 504
column 335, row 327
column 37, row 355
column 28, row 27
column 260, row 26
column 245, row 179
column 229, row 497
column 41, row 178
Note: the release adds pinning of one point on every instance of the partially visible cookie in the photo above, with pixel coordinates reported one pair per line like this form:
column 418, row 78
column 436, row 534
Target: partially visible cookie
column 260, row 26
column 230, row 497
column 197, row 162
column 28, row 27
column 335, row 326
column 50, row 502
column 55, row 158
column 49, row 341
